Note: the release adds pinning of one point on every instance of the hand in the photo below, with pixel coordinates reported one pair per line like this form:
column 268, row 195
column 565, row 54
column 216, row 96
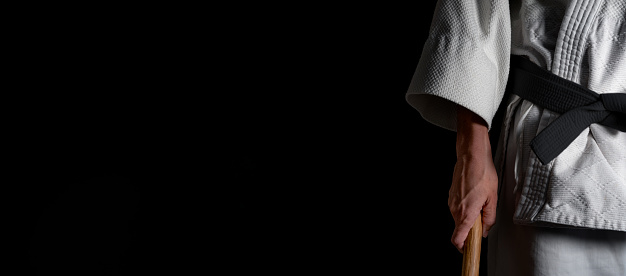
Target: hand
column 475, row 181
column 474, row 189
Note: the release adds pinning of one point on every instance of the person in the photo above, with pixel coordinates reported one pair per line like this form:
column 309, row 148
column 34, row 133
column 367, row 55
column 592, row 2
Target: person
column 553, row 194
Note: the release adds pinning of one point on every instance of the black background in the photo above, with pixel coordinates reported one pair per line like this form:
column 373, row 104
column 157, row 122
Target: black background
column 229, row 140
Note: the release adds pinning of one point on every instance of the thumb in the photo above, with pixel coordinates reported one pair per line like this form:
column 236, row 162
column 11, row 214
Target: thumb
column 489, row 216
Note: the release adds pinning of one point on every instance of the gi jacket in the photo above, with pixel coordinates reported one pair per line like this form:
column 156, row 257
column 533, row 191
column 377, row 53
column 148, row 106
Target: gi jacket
column 465, row 61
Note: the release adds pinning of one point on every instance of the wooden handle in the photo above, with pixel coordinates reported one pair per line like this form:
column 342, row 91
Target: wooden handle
column 471, row 249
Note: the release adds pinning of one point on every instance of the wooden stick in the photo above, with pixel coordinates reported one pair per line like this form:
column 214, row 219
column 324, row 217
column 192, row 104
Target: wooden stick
column 471, row 249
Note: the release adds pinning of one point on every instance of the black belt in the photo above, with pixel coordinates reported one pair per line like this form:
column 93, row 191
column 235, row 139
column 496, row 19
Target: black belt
column 579, row 106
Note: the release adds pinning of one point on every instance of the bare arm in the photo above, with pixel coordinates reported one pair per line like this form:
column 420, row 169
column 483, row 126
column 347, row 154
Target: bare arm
column 475, row 182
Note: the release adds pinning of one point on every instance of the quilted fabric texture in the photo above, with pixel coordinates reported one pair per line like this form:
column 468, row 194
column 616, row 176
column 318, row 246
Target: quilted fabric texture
column 465, row 61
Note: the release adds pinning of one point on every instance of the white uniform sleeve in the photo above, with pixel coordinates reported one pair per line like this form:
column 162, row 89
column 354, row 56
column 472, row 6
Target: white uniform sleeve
column 465, row 61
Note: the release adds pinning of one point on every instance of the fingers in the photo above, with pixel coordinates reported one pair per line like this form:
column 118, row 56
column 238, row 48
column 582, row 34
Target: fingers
column 463, row 227
column 461, row 230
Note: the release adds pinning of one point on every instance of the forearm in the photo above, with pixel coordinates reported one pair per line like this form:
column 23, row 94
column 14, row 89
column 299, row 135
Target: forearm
column 475, row 181
column 472, row 134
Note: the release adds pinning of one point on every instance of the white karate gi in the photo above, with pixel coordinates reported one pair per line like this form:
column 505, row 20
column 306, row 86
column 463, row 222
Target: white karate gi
column 567, row 217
